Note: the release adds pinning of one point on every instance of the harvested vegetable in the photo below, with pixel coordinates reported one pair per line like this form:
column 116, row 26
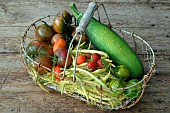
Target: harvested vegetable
column 55, row 38
column 106, row 40
column 135, row 91
column 100, row 74
column 62, row 21
column 44, row 33
column 121, row 72
column 81, row 59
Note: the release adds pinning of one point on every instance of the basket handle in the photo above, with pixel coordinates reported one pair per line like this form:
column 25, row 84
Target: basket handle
column 86, row 18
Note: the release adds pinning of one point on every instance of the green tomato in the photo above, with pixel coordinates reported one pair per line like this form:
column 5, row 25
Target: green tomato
column 134, row 91
column 114, row 84
column 121, row 72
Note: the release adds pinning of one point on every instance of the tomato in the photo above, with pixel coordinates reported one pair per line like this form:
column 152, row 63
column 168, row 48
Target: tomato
column 36, row 48
column 62, row 21
column 96, row 56
column 44, row 33
column 58, row 70
column 84, row 37
column 61, row 55
column 121, row 72
column 61, row 43
column 43, row 60
column 55, row 38
column 81, row 59
column 41, row 53
column 92, row 65
column 116, row 83
column 134, row 91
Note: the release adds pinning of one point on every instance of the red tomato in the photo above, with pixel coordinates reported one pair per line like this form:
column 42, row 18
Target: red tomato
column 57, row 69
column 61, row 43
column 55, row 38
column 81, row 59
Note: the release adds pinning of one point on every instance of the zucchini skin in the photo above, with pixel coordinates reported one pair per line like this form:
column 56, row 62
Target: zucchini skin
column 108, row 41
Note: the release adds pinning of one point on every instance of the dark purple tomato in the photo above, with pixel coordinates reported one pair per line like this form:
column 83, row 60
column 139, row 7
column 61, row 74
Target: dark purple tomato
column 61, row 55
column 44, row 33
column 62, row 21
column 36, row 48
column 43, row 61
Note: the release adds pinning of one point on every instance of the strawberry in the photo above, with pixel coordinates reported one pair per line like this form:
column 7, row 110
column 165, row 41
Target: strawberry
column 96, row 56
column 99, row 63
column 81, row 59
column 88, row 56
column 92, row 65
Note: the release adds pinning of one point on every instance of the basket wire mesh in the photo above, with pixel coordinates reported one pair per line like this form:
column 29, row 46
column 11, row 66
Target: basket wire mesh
column 140, row 46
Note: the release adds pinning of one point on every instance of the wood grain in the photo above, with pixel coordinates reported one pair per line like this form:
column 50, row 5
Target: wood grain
column 150, row 19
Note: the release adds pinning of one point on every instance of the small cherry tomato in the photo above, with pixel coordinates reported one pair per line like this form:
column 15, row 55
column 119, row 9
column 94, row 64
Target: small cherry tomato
column 81, row 59
column 58, row 70
column 96, row 56
column 99, row 63
column 92, row 65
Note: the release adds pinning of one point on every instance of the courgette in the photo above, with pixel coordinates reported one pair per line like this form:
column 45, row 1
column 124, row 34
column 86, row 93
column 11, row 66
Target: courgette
column 106, row 40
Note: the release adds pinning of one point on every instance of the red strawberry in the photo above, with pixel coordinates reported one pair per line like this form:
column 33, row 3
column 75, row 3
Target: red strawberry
column 92, row 65
column 96, row 56
column 81, row 59
column 99, row 63
column 88, row 56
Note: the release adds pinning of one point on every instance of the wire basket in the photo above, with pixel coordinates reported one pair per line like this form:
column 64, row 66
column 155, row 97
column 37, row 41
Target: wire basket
column 100, row 97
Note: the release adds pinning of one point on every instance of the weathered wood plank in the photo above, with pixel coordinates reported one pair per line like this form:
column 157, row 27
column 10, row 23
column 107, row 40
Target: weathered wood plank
column 121, row 15
column 18, row 92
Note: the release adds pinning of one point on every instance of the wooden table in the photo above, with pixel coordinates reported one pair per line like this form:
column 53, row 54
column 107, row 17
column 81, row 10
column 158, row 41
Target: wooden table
column 150, row 19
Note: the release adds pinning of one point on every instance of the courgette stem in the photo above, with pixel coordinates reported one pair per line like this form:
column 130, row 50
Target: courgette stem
column 76, row 13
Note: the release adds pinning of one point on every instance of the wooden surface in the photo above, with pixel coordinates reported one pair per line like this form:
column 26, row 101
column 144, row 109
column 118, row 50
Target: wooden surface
column 149, row 19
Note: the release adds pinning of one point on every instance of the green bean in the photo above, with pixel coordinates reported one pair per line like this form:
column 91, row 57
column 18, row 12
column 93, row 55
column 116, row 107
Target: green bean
column 99, row 71
column 91, row 75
